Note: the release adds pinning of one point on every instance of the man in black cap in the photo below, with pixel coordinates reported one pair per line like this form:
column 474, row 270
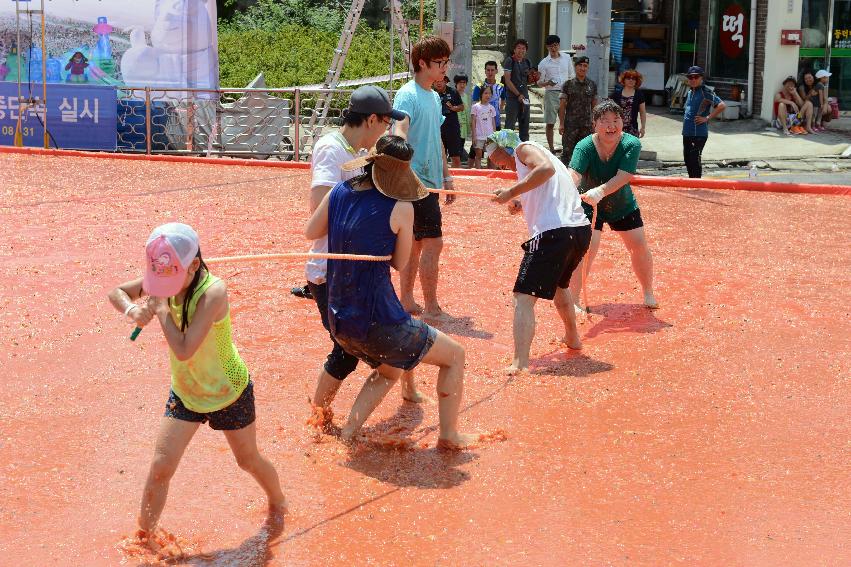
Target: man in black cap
column 698, row 112
column 364, row 122
column 578, row 98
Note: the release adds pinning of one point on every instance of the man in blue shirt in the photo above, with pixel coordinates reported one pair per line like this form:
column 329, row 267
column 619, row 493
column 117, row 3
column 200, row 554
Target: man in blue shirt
column 421, row 129
column 698, row 113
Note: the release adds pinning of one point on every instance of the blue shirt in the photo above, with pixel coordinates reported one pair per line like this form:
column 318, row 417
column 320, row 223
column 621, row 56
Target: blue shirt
column 423, row 109
column 360, row 292
column 698, row 103
column 497, row 94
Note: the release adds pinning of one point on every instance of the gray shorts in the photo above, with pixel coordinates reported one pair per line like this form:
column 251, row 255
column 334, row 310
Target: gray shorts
column 400, row 346
column 551, row 104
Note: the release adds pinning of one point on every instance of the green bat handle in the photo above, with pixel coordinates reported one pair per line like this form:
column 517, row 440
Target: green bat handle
column 135, row 333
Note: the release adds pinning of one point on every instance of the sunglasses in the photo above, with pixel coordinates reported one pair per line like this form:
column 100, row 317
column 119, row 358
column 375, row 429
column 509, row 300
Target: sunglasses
column 690, row 77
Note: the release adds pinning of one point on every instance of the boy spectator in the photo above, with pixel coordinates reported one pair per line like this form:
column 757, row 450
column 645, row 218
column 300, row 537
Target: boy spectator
column 450, row 131
column 515, row 69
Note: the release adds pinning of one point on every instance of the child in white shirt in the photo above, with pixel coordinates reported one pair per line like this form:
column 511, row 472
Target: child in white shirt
column 482, row 124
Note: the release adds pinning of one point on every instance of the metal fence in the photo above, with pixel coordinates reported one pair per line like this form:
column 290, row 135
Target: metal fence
column 260, row 123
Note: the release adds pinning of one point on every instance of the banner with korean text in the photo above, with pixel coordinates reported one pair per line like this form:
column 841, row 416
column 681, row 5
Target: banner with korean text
column 168, row 44
column 78, row 117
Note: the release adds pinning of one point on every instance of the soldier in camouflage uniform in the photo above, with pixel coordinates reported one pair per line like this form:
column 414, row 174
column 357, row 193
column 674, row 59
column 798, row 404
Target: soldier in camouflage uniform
column 578, row 98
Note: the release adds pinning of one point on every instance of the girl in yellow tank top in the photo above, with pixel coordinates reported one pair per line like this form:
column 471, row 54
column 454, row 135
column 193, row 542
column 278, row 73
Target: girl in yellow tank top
column 209, row 380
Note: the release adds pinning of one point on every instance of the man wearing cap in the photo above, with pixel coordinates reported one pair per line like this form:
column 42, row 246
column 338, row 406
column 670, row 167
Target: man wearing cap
column 555, row 69
column 364, row 121
column 698, row 113
column 421, row 128
column 578, row 97
column 559, row 236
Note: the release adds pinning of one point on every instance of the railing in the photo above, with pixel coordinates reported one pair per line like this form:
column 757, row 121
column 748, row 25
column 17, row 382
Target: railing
column 249, row 122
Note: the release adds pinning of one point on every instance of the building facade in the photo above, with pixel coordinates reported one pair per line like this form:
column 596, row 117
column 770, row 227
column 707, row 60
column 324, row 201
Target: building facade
column 746, row 46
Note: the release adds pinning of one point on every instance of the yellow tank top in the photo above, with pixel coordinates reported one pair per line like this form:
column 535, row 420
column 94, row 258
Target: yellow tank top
column 215, row 376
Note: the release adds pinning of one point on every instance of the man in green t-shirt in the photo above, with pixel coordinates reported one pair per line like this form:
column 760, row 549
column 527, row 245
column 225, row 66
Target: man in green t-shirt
column 602, row 166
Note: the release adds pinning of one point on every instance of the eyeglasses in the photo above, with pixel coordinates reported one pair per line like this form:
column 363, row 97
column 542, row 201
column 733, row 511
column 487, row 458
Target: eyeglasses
column 386, row 120
column 440, row 63
column 691, row 77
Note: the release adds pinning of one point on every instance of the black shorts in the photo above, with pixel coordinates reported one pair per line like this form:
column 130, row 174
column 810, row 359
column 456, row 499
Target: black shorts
column 428, row 221
column 236, row 416
column 550, row 259
column 629, row 222
column 452, row 143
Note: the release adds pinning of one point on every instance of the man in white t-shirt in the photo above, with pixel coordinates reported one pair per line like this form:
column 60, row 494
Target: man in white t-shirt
column 554, row 69
column 559, row 235
column 366, row 119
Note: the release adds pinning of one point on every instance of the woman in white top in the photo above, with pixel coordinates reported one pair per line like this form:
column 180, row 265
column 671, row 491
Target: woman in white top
column 559, row 232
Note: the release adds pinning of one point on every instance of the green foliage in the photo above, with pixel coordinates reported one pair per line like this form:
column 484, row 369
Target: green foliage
column 270, row 15
column 294, row 55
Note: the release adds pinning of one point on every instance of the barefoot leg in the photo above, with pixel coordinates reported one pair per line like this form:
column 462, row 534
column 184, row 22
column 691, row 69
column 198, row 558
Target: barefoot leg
column 565, row 307
column 243, row 444
column 448, row 356
column 429, row 271
column 374, row 389
column 407, row 277
column 173, row 438
column 409, row 389
column 524, row 331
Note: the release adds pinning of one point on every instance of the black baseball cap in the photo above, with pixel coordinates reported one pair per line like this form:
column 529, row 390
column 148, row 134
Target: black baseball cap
column 694, row 70
column 580, row 59
column 370, row 99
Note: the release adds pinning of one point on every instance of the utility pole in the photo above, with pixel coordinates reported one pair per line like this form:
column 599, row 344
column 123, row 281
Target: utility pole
column 599, row 34
column 457, row 12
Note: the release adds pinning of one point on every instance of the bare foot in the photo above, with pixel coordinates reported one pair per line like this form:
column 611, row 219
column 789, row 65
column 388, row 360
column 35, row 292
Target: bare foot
column 412, row 307
column 348, row 435
column 435, row 313
column 277, row 511
column 650, row 301
column 414, row 396
column 458, row 441
column 579, row 310
column 571, row 342
column 517, row 368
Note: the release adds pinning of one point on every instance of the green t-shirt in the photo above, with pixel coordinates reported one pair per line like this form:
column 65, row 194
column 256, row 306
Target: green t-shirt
column 595, row 172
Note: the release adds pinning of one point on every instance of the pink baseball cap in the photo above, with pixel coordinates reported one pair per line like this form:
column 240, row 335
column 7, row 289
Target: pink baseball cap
column 169, row 251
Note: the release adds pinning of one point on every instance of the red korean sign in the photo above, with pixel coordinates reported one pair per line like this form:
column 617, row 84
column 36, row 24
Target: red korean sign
column 733, row 31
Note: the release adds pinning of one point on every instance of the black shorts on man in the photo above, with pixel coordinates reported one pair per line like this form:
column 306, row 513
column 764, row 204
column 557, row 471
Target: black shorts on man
column 629, row 222
column 428, row 220
column 549, row 260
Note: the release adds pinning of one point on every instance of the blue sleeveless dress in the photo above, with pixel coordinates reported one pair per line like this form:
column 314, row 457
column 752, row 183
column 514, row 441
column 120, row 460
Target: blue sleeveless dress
column 364, row 312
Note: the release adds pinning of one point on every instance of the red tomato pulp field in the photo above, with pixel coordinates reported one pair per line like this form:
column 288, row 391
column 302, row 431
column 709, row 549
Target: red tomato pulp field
column 712, row 431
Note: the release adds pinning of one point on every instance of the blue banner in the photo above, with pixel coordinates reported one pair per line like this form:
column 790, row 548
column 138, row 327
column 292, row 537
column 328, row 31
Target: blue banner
column 78, row 117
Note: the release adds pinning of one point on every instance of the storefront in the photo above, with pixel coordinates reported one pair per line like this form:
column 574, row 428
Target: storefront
column 826, row 44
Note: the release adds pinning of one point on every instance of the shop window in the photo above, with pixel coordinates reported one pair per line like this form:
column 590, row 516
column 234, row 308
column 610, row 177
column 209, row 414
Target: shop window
column 688, row 22
column 814, row 20
column 730, row 32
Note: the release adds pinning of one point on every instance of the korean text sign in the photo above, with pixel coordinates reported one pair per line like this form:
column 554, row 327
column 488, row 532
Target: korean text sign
column 78, row 117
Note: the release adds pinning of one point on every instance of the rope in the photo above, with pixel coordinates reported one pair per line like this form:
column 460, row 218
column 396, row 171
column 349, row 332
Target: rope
column 585, row 269
column 295, row 255
column 455, row 192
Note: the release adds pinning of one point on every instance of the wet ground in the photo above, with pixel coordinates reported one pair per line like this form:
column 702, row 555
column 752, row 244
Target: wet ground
column 713, row 431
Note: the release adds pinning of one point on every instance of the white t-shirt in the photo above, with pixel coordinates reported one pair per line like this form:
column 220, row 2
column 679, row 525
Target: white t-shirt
column 558, row 70
column 329, row 154
column 484, row 116
column 556, row 203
